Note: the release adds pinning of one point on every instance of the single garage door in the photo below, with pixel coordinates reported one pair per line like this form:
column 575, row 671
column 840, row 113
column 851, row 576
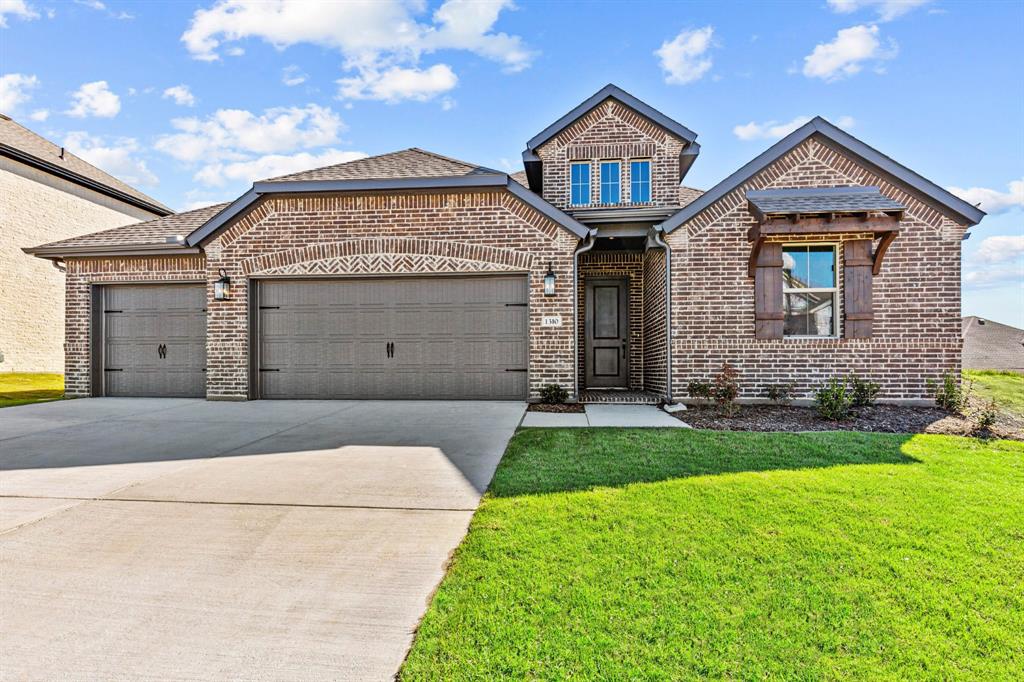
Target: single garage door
column 154, row 340
column 409, row 338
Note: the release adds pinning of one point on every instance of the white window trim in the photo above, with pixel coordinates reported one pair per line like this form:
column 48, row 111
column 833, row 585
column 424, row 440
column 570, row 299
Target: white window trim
column 600, row 184
column 650, row 179
column 590, row 184
column 836, row 299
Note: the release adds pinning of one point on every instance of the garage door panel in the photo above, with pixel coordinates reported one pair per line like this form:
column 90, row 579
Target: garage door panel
column 154, row 340
column 453, row 337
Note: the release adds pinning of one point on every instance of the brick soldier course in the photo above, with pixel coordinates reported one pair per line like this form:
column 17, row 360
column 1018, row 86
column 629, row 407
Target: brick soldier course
column 418, row 213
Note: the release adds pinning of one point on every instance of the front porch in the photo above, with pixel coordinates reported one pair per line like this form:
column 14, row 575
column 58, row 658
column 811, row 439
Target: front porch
column 622, row 325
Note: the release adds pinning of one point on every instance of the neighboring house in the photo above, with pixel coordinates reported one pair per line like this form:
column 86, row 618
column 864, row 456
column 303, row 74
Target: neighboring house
column 991, row 345
column 48, row 193
column 413, row 275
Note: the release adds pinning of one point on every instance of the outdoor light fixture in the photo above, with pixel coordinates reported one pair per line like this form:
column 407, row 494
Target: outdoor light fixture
column 549, row 282
column 222, row 287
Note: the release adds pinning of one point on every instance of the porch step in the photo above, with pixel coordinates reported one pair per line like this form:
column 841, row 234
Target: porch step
column 619, row 397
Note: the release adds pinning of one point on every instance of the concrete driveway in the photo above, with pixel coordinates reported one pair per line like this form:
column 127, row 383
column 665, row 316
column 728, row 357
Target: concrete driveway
column 184, row 539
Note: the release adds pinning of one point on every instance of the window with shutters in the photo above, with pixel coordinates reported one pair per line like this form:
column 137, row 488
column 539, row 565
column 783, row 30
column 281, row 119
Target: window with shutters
column 809, row 290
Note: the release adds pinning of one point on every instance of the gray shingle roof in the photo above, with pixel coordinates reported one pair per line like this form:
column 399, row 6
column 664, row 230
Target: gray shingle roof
column 17, row 140
column 147, row 233
column 408, row 163
column 786, row 201
column 688, row 194
column 991, row 345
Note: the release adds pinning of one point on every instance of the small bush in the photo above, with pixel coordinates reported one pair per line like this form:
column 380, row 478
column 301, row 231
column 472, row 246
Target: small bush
column 553, row 394
column 834, row 400
column 780, row 394
column 949, row 394
column 699, row 389
column 863, row 391
column 726, row 389
column 987, row 417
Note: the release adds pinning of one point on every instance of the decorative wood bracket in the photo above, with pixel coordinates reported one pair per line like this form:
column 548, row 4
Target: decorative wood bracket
column 880, row 250
column 754, row 235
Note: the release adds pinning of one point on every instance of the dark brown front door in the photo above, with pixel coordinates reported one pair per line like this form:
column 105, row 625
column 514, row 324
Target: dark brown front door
column 607, row 336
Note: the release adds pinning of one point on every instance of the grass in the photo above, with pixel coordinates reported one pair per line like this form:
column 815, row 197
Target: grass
column 21, row 389
column 1006, row 388
column 668, row 554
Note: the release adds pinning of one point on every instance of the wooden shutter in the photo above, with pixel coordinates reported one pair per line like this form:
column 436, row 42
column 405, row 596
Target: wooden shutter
column 857, row 263
column 768, row 316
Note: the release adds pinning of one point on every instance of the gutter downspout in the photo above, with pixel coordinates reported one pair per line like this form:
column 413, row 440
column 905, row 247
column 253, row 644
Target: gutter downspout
column 585, row 246
column 657, row 237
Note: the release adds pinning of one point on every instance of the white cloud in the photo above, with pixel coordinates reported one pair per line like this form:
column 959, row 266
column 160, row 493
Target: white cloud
column 181, row 95
column 375, row 37
column 92, row 4
column 232, row 134
column 117, row 156
column 40, row 115
column 991, row 277
column 396, row 84
column 1000, row 249
column 887, row 9
column 683, row 58
column 993, row 201
column 14, row 90
column 292, row 75
column 773, row 130
column 16, row 8
column 846, row 54
column 271, row 165
column 94, row 99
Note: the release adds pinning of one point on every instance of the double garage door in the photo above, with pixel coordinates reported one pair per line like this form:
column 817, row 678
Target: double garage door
column 403, row 338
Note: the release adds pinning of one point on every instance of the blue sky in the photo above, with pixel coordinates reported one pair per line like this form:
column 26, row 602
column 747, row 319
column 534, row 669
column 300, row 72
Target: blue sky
column 191, row 101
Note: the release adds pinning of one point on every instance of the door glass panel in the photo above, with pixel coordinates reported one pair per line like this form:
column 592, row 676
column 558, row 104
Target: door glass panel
column 606, row 312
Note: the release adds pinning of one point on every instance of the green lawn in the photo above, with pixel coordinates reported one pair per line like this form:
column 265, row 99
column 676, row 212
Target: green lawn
column 668, row 554
column 20, row 389
column 1006, row 388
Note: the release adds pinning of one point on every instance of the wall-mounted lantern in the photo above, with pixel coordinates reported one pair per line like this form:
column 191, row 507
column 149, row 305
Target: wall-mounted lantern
column 549, row 282
column 222, row 287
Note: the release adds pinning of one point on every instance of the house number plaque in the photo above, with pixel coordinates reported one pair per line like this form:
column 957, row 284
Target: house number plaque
column 551, row 321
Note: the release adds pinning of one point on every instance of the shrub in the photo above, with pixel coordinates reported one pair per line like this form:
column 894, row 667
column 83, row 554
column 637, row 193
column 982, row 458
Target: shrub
column 834, row 400
column 553, row 394
column 987, row 417
column 949, row 394
column 727, row 389
column 699, row 389
column 780, row 394
column 863, row 391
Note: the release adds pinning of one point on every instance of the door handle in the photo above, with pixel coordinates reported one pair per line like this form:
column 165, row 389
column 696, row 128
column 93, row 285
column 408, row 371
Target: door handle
column 161, row 351
column 392, row 344
column 623, row 349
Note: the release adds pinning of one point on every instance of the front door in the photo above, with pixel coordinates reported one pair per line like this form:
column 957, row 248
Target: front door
column 607, row 333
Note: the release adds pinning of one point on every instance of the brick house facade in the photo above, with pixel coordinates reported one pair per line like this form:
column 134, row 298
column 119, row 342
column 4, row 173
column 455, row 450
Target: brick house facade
column 639, row 295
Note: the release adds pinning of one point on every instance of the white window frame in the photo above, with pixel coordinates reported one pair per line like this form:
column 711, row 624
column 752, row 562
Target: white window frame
column 600, row 183
column 836, row 299
column 590, row 184
column 650, row 173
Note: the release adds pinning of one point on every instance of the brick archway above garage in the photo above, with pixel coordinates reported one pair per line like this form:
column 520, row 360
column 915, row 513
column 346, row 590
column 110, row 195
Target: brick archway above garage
column 387, row 254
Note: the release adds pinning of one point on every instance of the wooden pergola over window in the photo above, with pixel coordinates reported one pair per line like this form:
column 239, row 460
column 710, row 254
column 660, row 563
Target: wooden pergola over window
column 820, row 212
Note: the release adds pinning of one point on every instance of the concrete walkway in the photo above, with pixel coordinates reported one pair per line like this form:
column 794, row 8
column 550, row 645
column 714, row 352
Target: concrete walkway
column 181, row 539
column 599, row 414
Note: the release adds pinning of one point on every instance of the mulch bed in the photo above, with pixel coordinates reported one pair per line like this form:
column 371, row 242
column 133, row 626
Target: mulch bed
column 563, row 408
column 880, row 419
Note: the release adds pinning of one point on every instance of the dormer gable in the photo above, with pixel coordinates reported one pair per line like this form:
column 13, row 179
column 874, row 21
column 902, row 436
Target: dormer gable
column 611, row 151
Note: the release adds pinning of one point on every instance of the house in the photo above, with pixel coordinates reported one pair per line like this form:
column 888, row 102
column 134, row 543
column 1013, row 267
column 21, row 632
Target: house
column 991, row 345
column 414, row 275
column 48, row 193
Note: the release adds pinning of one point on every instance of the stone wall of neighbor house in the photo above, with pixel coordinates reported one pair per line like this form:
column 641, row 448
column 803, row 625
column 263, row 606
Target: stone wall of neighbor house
column 655, row 322
column 472, row 231
column 916, row 297
column 36, row 208
column 82, row 274
column 614, row 265
column 612, row 131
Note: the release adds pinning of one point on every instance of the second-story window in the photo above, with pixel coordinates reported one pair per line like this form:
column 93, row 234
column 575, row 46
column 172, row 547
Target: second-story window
column 580, row 184
column 640, row 181
column 609, row 182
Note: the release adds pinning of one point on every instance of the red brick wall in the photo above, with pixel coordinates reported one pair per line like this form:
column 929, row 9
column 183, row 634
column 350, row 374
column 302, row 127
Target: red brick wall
column 611, row 131
column 655, row 322
column 415, row 232
column 614, row 265
column 916, row 296
column 84, row 272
